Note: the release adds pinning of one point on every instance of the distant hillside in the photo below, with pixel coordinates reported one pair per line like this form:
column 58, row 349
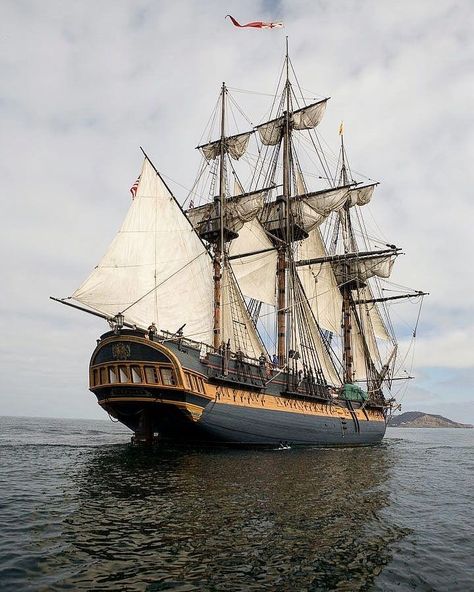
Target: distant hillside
column 417, row 419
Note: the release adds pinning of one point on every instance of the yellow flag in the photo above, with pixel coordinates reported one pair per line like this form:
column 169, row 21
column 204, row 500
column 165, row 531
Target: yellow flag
column 341, row 128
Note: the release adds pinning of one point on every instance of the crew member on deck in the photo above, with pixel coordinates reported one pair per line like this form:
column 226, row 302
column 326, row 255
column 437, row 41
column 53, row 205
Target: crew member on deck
column 152, row 331
column 262, row 360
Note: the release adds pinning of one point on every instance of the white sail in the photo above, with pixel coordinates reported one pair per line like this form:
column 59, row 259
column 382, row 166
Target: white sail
column 360, row 196
column 363, row 269
column 306, row 216
column 359, row 367
column 327, row 201
column 235, row 146
column 238, row 210
column 369, row 334
column 299, row 183
column 306, row 118
column 378, row 324
column 238, row 189
column 243, row 208
column 309, row 117
column 359, row 354
column 237, row 326
column 311, row 209
column 212, row 150
column 256, row 274
column 201, row 214
column 309, row 338
column 320, row 284
column 378, row 266
column 270, row 133
column 156, row 269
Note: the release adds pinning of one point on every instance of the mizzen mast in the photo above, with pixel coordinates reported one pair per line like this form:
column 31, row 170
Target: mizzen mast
column 346, row 288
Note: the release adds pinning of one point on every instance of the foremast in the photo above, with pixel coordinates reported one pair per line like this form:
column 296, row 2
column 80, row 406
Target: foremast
column 218, row 257
column 218, row 223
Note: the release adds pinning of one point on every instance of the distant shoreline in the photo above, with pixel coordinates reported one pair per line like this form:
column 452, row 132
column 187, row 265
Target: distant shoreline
column 408, row 427
column 418, row 419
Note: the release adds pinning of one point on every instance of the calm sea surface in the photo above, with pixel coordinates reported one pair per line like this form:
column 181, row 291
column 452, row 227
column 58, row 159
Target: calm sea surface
column 83, row 510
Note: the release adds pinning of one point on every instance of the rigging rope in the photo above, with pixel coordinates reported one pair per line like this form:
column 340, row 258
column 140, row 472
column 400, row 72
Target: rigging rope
column 411, row 347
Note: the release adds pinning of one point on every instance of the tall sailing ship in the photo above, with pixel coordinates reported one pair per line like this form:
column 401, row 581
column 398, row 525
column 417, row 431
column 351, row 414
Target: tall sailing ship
column 255, row 317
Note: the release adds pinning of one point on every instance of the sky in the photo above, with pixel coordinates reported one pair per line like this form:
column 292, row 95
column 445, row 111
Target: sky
column 85, row 84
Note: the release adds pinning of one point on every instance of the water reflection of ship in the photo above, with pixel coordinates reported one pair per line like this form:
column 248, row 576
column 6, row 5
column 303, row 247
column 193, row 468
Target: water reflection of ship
column 265, row 520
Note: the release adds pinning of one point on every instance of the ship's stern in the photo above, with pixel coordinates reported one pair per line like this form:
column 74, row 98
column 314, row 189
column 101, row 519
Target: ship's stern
column 142, row 384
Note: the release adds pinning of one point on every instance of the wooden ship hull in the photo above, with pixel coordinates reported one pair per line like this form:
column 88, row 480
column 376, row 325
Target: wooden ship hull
column 169, row 391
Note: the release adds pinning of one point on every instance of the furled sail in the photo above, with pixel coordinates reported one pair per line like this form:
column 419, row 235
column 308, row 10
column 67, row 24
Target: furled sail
column 360, row 196
column 156, row 269
column 308, row 117
column 328, row 200
column 235, row 146
column 363, row 269
column 237, row 326
column 306, row 216
column 271, row 132
column 256, row 274
column 320, row 284
column 311, row 209
column 378, row 266
column 238, row 210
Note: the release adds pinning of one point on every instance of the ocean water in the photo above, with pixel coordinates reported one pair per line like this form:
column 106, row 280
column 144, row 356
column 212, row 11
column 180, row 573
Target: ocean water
column 83, row 510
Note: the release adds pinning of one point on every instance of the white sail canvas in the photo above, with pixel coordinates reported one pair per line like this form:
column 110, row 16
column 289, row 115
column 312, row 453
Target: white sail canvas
column 156, row 269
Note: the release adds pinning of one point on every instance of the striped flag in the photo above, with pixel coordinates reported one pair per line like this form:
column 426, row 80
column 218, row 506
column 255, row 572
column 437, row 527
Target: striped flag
column 134, row 187
column 256, row 24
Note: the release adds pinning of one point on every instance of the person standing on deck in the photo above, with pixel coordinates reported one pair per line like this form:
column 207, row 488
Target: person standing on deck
column 152, row 331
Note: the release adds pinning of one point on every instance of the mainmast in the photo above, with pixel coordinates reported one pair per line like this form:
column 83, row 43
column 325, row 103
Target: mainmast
column 285, row 223
column 219, row 245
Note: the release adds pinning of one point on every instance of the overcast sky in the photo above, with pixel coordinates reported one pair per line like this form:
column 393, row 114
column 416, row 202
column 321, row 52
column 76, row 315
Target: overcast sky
column 84, row 84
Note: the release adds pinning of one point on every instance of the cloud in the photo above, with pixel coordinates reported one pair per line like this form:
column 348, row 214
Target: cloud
column 85, row 84
column 446, row 348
